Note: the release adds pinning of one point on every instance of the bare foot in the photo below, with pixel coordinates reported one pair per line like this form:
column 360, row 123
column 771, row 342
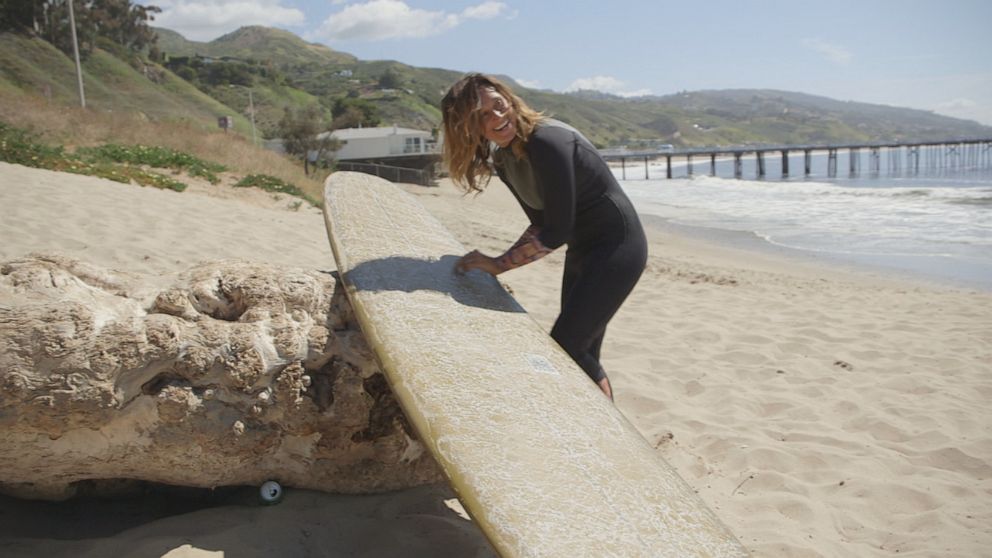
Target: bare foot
column 604, row 385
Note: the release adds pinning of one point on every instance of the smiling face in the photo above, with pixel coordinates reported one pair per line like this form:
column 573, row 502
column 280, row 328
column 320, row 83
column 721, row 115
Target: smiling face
column 479, row 114
column 499, row 120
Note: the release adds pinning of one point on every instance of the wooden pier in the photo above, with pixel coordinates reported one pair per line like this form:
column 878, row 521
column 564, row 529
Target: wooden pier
column 919, row 157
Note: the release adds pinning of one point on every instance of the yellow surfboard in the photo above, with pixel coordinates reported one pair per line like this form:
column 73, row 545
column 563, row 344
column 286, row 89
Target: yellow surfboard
column 543, row 462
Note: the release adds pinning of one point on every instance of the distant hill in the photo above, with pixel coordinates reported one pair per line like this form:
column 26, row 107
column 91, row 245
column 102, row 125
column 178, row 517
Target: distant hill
column 281, row 71
column 316, row 75
column 261, row 43
column 798, row 117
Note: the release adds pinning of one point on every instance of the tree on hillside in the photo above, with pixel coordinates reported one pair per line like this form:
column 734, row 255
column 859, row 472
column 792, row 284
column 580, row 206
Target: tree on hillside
column 352, row 117
column 52, row 23
column 390, row 79
column 19, row 15
column 226, row 73
column 124, row 23
column 306, row 136
column 351, row 112
column 118, row 21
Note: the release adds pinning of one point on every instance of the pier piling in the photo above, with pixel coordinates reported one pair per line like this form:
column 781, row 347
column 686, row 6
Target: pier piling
column 919, row 157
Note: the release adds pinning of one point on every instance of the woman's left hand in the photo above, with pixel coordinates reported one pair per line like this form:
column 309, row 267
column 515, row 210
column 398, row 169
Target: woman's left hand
column 477, row 260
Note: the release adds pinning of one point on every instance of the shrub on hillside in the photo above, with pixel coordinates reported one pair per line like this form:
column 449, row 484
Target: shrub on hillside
column 153, row 156
column 22, row 148
column 273, row 184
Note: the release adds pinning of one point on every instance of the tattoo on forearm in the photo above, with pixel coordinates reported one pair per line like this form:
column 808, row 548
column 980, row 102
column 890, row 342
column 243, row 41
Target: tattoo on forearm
column 526, row 250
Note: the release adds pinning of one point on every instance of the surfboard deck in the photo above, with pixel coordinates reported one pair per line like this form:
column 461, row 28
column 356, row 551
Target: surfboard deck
column 542, row 461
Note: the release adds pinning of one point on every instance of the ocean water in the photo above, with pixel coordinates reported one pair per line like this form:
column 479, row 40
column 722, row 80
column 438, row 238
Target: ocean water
column 934, row 224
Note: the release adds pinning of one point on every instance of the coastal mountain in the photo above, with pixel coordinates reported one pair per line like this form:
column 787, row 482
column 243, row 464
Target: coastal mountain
column 802, row 118
column 277, row 46
column 270, row 71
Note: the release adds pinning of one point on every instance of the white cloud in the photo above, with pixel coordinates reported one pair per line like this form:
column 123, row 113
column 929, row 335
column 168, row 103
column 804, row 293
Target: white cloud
column 606, row 84
column 965, row 108
column 393, row 19
column 967, row 96
column 957, row 104
column 834, row 53
column 529, row 83
column 485, row 10
column 205, row 20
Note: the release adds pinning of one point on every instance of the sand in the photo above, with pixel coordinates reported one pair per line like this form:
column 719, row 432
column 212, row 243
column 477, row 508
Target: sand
column 819, row 411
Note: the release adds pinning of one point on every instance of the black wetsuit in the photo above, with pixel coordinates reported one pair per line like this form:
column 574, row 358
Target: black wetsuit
column 585, row 208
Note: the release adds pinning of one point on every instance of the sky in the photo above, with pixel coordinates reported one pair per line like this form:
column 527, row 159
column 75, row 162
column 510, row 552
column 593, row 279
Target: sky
column 933, row 55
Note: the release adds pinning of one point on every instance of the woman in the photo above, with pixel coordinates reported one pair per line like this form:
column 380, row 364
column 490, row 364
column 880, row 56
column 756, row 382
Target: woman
column 568, row 193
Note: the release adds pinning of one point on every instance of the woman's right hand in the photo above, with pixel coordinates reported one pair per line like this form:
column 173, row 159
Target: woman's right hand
column 477, row 260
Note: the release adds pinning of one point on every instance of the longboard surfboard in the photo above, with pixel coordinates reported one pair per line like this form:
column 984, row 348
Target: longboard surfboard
column 542, row 461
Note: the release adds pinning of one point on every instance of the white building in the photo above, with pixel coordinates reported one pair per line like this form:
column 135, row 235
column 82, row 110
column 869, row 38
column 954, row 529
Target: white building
column 367, row 143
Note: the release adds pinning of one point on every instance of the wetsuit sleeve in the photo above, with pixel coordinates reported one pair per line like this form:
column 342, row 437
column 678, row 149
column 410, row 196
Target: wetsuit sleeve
column 551, row 152
column 527, row 249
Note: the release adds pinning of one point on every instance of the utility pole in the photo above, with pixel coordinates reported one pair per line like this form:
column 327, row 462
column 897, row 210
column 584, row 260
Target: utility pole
column 251, row 107
column 75, row 52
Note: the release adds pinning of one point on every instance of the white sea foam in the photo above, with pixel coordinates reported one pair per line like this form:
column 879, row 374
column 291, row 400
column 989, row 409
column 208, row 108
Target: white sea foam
column 888, row 217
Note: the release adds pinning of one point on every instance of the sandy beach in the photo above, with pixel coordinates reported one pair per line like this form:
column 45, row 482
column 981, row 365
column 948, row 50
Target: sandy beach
column 819, row 411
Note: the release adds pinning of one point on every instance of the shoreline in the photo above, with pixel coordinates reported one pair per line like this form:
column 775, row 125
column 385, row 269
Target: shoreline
column 927, row 272
column 872, row 236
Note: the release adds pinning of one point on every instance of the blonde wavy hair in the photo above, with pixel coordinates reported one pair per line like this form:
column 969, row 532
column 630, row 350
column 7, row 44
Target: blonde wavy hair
column 467, row 153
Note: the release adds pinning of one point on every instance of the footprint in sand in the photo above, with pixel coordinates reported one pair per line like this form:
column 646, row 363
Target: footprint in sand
column 694, row 388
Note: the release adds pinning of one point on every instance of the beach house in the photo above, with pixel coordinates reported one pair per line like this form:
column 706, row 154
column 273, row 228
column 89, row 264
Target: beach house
column 383, row 141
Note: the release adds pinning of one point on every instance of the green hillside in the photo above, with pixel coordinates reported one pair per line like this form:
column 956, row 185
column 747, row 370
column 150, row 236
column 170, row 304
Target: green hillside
column 701, row 118
column 254, row 42
column 199, row 81
column 318, row 75
column 801, row 118
column 29, row 64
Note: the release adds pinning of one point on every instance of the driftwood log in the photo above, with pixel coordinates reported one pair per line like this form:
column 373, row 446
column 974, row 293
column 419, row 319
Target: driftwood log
column 230, row 373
